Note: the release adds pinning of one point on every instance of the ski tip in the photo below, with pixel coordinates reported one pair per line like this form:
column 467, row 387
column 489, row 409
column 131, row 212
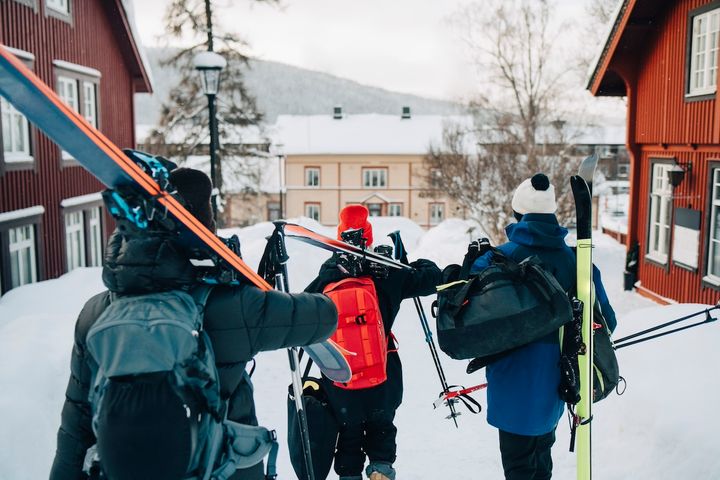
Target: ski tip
column 587, row 168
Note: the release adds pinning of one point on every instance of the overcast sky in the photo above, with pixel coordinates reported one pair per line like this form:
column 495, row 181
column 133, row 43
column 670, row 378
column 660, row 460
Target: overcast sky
column 401, row 45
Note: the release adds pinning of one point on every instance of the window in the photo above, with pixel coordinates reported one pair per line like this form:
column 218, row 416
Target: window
column 705, row 29
column 67, row 89
column 375, row 177
column 395, row 210
column 437, row 213
column 61, row 6
column 15, row 134
column 89, row 103
column 74, row 240
column 713, row 258
column 374, row 209
column 273, row 211
column 435, row 176
column 77, row 86
column 23, row 256
column 94, row 231
column 312, row 177
column 623, row 170
column 312, row 210
column 660, row 213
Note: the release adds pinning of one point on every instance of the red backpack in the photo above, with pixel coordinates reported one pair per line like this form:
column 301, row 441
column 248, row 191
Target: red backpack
column 360, row 331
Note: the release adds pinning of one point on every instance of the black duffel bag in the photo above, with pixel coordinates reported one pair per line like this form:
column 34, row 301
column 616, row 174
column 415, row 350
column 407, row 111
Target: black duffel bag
column 507, row 305
column 322, row 426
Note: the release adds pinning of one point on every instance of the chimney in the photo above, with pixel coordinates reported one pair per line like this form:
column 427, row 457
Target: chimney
column 337, row 113
column 405, row 113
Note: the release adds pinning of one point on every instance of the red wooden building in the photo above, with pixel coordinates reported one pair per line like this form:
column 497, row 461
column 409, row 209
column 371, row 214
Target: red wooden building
column 663, row 56
column 51, row 217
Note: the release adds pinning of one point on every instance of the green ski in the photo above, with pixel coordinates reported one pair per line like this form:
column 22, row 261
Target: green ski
column 582, row 192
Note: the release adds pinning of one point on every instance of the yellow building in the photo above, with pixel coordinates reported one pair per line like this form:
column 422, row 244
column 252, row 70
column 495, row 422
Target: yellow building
column 376, row 160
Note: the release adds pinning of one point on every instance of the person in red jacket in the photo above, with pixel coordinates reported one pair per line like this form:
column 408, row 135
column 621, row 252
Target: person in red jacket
column 366, row 416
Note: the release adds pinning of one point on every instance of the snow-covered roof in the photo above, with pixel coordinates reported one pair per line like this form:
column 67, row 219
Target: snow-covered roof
column 135, row 40
column 367, row 134
column 375, row 134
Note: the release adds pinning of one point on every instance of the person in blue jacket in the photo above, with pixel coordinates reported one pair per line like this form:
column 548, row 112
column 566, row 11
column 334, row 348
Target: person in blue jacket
column 522, row 394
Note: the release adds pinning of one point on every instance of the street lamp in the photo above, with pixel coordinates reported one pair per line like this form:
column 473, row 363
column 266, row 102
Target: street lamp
column 210, row 64
column 281, row 174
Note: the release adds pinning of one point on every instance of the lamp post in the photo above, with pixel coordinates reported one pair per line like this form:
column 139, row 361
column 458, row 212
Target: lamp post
column 281, row 174
column 210, row 64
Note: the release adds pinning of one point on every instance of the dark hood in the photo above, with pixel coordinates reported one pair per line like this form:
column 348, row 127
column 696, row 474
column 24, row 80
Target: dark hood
column 144, row 264
column 538, row 230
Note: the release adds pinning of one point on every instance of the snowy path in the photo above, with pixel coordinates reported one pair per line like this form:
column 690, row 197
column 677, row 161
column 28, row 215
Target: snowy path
column 662, row 428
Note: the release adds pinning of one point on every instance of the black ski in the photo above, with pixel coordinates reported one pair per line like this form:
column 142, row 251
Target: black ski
column 306, row 235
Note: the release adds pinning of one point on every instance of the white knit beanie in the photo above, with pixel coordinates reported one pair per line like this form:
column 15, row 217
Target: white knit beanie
column 535, row 195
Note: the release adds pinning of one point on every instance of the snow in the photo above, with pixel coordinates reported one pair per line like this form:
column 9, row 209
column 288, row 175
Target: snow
column 663, row 427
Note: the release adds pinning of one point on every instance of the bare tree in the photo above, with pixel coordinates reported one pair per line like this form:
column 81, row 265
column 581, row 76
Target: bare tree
column 183, row 127
column 518, row 126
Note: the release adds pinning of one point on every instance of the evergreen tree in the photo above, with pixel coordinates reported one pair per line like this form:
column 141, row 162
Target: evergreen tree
column 183, row 129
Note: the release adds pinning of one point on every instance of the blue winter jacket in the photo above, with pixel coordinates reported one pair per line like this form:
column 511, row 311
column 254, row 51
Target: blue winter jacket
column 522, row 390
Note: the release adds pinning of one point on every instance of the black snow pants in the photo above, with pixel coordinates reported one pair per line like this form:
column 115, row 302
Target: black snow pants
column 374, row 438
column 526, row 457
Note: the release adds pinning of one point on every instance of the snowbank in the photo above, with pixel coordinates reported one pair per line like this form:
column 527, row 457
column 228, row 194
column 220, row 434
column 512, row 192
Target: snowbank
column 663, row 427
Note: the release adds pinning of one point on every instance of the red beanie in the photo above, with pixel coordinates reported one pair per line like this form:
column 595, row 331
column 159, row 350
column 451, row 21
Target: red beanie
column 353, row 217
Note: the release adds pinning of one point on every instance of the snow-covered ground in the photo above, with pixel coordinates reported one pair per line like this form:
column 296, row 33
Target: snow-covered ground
column 663, row 427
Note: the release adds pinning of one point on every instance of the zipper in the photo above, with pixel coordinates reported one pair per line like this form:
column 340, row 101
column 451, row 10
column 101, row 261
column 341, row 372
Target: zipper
column 140, row 323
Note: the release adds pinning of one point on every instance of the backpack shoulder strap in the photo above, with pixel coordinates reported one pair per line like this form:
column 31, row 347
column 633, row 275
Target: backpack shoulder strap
column 200, row 294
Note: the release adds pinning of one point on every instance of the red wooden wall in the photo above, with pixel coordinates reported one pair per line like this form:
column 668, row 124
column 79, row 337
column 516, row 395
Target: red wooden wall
column 89, row 41
column 667, row 126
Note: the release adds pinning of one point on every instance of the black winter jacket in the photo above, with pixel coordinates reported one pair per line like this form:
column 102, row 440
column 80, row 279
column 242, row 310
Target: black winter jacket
column 355, row 406
column 240, row 321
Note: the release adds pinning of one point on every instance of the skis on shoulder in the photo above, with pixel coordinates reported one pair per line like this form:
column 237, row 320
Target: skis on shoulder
column 581, row 185
column 138, row 182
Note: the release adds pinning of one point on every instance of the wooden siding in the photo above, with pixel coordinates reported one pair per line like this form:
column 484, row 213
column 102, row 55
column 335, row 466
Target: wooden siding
column 673, row 281
column 665, row 116
column 89, row 41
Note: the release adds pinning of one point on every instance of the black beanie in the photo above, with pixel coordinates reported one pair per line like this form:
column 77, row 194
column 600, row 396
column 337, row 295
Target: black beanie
column 195, row 188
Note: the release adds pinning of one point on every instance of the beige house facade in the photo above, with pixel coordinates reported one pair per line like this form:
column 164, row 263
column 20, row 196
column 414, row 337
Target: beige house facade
column 375, row 160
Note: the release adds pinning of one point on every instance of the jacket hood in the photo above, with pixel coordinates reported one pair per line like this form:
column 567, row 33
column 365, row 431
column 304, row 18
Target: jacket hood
column 145, row 264
column 538, row 230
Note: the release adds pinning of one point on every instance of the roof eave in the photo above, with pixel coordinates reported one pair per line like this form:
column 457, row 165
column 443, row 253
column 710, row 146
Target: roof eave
column 142, row 81
column 605, row 55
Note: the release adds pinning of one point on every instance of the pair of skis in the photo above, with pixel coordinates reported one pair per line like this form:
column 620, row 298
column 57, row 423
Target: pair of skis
column 581, row 185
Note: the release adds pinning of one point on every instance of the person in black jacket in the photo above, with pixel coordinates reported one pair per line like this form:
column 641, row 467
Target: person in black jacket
column 366, row 416
column 240, row 321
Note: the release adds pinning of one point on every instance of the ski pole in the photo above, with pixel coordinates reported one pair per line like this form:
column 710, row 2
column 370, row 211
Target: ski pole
column 400, row 254
column 280, row 257
column 623, row 342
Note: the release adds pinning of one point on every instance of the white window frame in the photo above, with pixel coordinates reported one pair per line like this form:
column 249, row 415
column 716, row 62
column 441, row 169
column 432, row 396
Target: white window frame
column 437, row 213
column 713, row 276
column 68, row 91
column 60, row 6
column 94, row 220
column 75, row 252
column 14, row 126
column 660, row 214
column 395, row 210
column 375, row 177
column 22, row 249
column 704, row 41
column 312, row 210
column 312, row 177
column 89, row 99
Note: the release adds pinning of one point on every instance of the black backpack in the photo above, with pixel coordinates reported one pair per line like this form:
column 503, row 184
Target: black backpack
column 507, row 305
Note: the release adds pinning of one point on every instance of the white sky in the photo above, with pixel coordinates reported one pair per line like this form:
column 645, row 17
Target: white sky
column 400, row 45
